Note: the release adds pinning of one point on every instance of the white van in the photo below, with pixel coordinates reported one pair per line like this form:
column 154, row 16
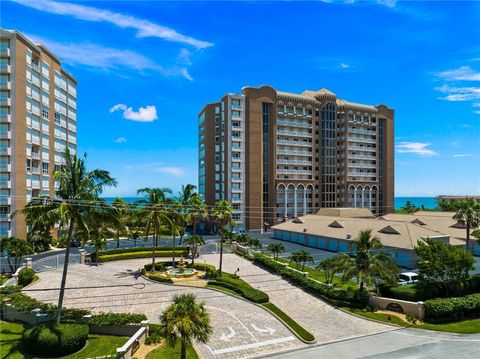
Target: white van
column 407, row 278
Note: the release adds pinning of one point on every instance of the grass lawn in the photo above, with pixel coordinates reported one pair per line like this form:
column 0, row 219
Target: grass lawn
column 98, row 345
column 463, row 327
column 303, row 333
column 165, row 352
column 320, row 276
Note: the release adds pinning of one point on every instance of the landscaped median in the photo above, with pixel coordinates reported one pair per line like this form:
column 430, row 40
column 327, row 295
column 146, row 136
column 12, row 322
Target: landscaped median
column 142, row 252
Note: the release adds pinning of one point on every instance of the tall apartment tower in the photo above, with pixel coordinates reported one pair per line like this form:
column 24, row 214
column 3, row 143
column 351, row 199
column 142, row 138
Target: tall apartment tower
column 278, row 155
column 38, row 121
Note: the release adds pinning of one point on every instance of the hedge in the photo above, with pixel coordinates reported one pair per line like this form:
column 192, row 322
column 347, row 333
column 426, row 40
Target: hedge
column 25, row 303
column 302, row 332
column 26, row 276
column 421, row 292
column 112, row 319
column 133, row 255
column 53, row 339
column 451, row 309
column 145, row 249
column 339, row 297
column 241, row 287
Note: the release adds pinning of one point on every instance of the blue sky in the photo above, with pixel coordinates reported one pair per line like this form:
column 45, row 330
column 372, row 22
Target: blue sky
column 145, row 69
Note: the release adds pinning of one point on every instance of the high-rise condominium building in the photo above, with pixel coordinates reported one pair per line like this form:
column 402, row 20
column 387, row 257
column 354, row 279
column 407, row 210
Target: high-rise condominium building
column 278, row 155
column 38, row 121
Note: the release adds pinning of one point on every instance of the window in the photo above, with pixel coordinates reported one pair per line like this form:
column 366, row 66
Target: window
column 45, row 168
column 45, row 112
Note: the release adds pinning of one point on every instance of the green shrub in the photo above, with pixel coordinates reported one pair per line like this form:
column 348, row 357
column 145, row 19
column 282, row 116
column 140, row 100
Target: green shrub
column 134, row 255
column 11, row 289
column 154, row 334
column 159, row 277
column 451, row 309
column 339, row 297
column 241, row 287
column 403, row 292
column 178, row 249
column 25, row 276
column 111, row 319
column 53, row 339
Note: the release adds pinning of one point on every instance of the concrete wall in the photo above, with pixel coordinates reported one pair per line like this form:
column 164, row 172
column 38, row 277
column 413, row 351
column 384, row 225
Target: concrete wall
column 127, row 351
column 12, row 314
column 414, row 308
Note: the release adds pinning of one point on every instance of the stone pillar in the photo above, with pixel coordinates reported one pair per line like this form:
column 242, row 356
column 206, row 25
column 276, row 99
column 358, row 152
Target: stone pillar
column 144, row 323
column 304, row 201
column 82, row 255
column 363, row 197
column 28, row 262
column 285, row 195
column 370, row 199
column 355, row 197
column 420, row 310
column 295, row 202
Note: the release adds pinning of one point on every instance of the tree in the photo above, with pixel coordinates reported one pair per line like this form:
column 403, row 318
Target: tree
column 333, row 265
column 197, row 210
column 409, row 207
column 276, row 249
column 301, row 257
column 254, row 243
column 122, row 214
column 476, row 234
column 441, row 264
column 153, row 208
column 186, row 193
column 185, row 320
column 16, row 248
column 370, row 261
column 176, row 225
column 222, row 212
column 468, row 213
column 76, row 199
column 242, row 238
column 194, row 241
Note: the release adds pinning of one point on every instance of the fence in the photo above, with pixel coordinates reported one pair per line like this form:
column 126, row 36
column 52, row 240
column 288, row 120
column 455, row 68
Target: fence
column 55, row 261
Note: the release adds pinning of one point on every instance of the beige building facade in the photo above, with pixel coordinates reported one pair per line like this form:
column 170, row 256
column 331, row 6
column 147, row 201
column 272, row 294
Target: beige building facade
column 38, row 121
column 278, row 155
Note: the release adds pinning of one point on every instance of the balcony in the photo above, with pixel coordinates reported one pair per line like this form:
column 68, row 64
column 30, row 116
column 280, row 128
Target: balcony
column 4, row 217
column 5, row 201
column 359, row 148
column 5, row 167
column 294, row 152
column 36, row 170
column 294, row 133
column 5, row 150
column 6, row 69
column 362, row 165
column 5, row 52
column 361, row 157
column 5, row 101
column 294, row 162
column 301, row 124
column 362, row 131
column 5, row 134
column 362, row 140
column 35, row 184
column 293, row 143
column 5, row 85
column 6, row 118
column 5, row 184
column 361, row 174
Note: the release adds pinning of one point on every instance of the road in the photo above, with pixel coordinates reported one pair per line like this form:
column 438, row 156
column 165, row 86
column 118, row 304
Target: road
column 401, row 343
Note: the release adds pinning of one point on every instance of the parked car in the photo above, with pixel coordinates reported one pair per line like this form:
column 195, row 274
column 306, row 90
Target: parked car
column 407, row 278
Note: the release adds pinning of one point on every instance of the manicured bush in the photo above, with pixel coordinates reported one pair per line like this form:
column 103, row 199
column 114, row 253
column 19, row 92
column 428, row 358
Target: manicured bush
column 241, row 287
column 145, row 249
column 159, row 277
column 25, row 276
column 53, row 339
column 154, row 334
column 11, row 289
column 339, row 297
column 451, row 309
column 111, row 319
column 134, row 255
column 403, row 292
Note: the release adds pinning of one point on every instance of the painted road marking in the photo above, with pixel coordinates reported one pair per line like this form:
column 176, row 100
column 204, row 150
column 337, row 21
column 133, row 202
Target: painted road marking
column 227, row 337
column 266, row 330
column 252, row 345
column 238, row 320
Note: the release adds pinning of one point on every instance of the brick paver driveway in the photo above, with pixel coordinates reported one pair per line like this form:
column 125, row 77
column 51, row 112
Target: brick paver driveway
column 324, row 321
column 241, row 329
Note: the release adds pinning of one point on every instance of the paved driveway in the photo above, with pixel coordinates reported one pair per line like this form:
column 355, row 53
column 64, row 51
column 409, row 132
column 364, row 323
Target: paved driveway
column 241, row 329
column 324, row 321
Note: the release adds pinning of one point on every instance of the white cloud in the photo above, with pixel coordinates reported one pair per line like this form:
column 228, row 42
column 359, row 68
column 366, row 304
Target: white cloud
column 388, row 3
column 463, row 73
column 144, row 28
column 174, row 171
column 459, row 93
column 121, row 140
column 97, row 56
column 418, row 148
column 344, row 66
column 157, row 167
column 462, row 155
column 144, row 114
column 184, row 57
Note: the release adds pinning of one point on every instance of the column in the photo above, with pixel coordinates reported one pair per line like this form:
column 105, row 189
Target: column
column 304, row 201
column 370, row 198
column 363, row 197
column 355, row 197
column 295, row 202
column 286, row 199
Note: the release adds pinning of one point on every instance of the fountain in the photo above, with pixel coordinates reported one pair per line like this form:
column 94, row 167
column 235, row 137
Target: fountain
column 181, row 271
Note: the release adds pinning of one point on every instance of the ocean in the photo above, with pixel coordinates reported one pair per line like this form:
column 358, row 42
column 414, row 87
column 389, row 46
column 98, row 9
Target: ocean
column 427, row 202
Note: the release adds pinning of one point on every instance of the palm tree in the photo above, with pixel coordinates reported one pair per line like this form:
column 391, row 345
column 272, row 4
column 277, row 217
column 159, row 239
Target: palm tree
column 468, row 213
column 254, row 243
column 222, row 212
column 185, row 320
column 155, row 211
column 186, row 193
column 276, row 249
column 197, row 210
column 122, row 213
column 301, row 257
column 176, row 225
column 370, row 261
column 76, row 198
column 409, row 207
column 194, row 241
column 333, row 265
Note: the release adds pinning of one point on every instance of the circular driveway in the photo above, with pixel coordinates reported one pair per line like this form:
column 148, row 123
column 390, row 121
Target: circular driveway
column 240, row 329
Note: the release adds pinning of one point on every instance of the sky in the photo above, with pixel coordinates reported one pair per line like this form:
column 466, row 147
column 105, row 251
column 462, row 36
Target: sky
column 146, row 68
